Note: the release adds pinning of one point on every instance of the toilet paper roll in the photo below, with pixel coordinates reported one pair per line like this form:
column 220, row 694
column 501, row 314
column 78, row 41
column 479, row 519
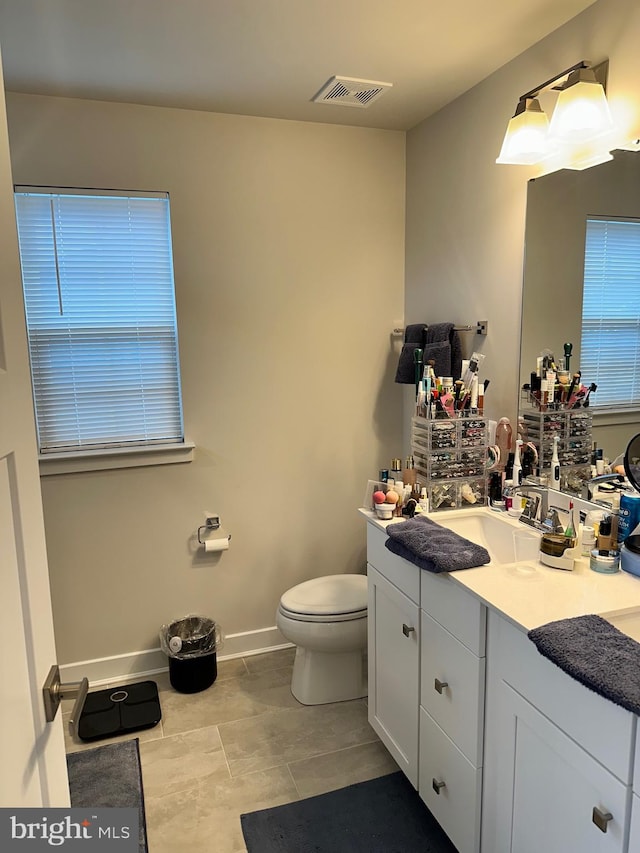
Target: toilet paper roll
column 220, row 544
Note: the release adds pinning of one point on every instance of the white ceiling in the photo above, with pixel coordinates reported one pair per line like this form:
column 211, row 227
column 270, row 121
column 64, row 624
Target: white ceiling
column 269, row 57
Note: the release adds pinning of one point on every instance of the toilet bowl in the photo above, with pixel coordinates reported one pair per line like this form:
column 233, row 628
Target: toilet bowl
column 326, row 618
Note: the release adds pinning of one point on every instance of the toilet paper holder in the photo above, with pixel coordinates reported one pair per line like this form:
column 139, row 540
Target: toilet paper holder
column 211, row 522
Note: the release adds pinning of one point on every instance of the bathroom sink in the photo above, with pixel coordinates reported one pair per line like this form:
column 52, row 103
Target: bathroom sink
column 627, row 621
column 497, row 533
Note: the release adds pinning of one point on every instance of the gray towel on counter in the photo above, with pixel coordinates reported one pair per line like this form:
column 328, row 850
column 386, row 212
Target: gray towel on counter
column 433, row 547
column 595, row 653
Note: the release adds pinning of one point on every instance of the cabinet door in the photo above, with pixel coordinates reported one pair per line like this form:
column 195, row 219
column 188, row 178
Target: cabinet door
column 394, row 642
column 546, row 791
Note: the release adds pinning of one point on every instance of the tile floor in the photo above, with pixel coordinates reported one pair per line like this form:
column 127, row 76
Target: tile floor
column 242, row 745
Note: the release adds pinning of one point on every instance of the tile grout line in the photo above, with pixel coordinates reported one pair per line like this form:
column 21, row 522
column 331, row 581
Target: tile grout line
column 224, row 753
column 288, row 766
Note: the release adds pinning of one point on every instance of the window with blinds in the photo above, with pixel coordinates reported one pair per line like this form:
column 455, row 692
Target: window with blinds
column 610, row 348
column 97, row 274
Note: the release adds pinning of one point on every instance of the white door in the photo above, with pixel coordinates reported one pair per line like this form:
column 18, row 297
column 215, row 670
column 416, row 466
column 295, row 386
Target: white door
column 33, row 760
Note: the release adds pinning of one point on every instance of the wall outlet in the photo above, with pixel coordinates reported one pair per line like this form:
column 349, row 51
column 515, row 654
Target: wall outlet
column 482, row 327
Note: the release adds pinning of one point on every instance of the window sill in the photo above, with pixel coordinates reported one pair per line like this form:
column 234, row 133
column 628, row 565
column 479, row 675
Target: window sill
column 107, row 460
column 608, row 417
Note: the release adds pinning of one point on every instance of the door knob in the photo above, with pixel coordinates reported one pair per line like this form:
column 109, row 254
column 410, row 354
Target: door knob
column 437, row 785
column 440, row 685
column 54, row 691
column 407, row 630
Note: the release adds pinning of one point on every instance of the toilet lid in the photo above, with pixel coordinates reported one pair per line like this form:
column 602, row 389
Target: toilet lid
column 330, row 595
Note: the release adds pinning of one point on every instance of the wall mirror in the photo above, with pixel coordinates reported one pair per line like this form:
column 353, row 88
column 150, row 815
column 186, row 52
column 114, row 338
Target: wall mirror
column 558, row 206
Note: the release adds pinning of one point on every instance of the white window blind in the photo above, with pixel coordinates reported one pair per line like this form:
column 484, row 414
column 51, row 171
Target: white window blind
column 610, row 349
column 97, row 273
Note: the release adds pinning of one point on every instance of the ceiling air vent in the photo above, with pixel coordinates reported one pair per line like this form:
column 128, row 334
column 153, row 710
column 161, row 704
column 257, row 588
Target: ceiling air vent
column 350, row 92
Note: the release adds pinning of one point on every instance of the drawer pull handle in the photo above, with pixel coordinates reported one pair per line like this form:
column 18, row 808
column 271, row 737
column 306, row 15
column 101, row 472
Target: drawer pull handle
column 440, row 685
column 407, row 631
column 437, row 785
column 601, row 819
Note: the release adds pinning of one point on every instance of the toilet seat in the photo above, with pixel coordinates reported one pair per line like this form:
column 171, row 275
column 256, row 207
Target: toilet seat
column 333, row 598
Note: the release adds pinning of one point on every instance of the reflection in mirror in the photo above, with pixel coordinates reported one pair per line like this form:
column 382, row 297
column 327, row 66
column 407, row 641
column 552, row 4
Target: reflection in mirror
column 559, row 206
column 632, row 462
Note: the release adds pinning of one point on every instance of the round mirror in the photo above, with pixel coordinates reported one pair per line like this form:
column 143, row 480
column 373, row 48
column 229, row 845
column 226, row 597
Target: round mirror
column 632, row 462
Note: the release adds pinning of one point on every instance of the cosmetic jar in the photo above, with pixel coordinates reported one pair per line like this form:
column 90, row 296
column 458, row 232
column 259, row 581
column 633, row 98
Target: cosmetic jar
column 385, row 511
column 588, row 540
column 605, row 562
column 630, row 555
column 555, row 544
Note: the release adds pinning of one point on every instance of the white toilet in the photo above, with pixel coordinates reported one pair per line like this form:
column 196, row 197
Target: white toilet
column 326, row 618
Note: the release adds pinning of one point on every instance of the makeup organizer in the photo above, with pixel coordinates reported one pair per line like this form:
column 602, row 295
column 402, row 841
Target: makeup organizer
column 573, row 427
column 450, row 459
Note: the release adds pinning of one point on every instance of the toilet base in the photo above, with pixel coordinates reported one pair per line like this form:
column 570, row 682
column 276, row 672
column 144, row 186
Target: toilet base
column 322, row 677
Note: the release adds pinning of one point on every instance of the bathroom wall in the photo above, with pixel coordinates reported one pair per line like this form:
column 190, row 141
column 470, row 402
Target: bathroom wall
column 288, row 245
column 466, row 215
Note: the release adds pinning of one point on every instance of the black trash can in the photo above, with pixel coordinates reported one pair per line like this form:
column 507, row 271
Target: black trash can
column 191, row 644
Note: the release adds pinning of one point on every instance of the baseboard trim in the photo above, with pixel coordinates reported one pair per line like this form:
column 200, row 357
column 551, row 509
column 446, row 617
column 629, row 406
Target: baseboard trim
column 148, row 662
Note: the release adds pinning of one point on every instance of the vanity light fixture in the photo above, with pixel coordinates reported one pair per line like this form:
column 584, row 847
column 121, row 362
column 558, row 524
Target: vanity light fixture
column 582, row 112
column 581, row 117
column 527, row 138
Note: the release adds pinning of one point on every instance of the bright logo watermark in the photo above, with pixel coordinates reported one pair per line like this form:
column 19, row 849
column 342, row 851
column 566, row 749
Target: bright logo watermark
column 33, row 829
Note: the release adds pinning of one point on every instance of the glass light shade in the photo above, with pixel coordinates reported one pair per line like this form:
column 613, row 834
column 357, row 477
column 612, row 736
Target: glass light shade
column 526, row 140
column 581, row 113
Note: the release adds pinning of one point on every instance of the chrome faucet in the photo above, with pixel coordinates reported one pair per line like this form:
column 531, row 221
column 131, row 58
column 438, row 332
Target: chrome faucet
column 528, row 488
column 596, row 481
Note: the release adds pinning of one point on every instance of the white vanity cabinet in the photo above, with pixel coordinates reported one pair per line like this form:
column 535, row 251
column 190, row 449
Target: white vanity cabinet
column 452, row 677
column 426, row 685
column 558, row 756
column 394, row 645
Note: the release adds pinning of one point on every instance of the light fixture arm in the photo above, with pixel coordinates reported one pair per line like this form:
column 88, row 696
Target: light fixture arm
column 548, row 84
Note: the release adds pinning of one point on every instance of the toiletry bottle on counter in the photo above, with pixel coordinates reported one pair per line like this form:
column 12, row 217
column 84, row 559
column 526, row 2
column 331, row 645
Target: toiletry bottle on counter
column 395, row 473
column 409, row 473
column 507, row 494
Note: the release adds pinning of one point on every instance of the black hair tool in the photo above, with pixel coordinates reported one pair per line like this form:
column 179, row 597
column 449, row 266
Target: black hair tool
column 417, row 361
column 567, row 355
column 593, row 387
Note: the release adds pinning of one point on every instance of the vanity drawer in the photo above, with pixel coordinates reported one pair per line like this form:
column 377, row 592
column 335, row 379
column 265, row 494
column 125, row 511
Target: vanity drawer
column 401, row 573
column 456, row 806
column 458, row 707
column 455, row 609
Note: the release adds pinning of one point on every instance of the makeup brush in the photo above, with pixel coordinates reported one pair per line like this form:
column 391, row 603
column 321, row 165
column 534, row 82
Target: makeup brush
column 574, row 379
column 567, row 355
column 592, row 387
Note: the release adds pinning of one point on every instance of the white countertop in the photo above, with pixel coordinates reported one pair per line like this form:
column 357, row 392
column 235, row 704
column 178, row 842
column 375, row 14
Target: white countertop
column 531, row 594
